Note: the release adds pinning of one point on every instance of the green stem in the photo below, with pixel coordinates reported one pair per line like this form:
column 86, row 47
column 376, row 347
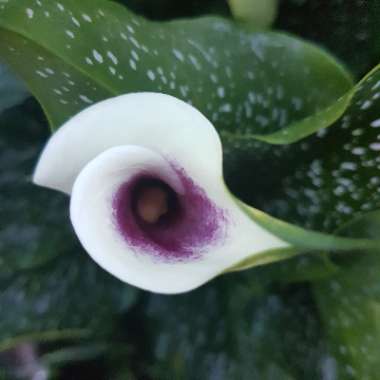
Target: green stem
column 306, row 240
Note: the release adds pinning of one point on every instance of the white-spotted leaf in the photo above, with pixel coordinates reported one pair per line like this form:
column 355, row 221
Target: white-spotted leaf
column 242, row 81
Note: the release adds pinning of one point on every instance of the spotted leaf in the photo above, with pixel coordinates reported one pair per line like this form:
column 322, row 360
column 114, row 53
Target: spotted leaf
column 242, row 81
column 327, row 178
column 325, row 117
column 349, row 305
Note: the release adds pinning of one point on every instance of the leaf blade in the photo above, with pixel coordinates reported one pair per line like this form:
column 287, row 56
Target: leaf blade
column 126, row 53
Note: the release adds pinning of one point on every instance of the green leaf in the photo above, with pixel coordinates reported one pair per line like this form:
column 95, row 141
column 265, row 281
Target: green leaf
column 241, row 334
column 49, row 288
column 326, row 183
column 324, row 180
column 301, row 241
column 349, row 305
column 322, row 119
column 67, row 355
column 308, row 126
column 240, row 326
column 100, row 50
column 70, row 298
column 27, row 239
column 309, row 240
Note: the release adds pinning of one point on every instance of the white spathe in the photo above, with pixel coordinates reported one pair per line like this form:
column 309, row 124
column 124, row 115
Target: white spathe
column 104, row 146
column 159, row 122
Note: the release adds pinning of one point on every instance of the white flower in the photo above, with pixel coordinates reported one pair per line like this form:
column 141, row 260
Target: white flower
column 148, row 201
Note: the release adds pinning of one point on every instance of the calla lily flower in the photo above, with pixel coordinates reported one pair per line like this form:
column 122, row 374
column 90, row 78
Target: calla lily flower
column 148, row 200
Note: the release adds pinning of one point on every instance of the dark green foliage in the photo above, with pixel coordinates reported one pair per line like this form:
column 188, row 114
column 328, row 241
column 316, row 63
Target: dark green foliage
column 313, row 317
column 50, row 288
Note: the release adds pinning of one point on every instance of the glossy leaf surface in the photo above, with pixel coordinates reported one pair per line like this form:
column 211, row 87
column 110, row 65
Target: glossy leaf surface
column 101, row 50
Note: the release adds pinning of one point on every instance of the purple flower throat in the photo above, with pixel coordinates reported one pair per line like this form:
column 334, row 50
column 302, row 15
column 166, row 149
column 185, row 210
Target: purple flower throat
column 153, row 218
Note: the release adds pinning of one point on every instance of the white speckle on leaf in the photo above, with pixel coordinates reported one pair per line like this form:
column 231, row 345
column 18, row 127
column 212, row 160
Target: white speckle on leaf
column 221, row 92
column 112, row 57
column 178, row 55
column 358, row 151
column 134, row 42
column 97, row 56
column 375, row 146
column 41, row 74
column 250, row 75
column 184, row 90
column 376, row 85
column 375, row 123
column 60, row 7
column 86, row 17
column 297, row 103
column 85, row 99
column 226, row 108
column 214, row 78
column 29, row 12
column 151, row 75
column 251, row 97
column 70, row 33
column 351, row 166
column 195, row 62
column 132, row 63
column 75, row 21
column 135, row 55
column 366, row 105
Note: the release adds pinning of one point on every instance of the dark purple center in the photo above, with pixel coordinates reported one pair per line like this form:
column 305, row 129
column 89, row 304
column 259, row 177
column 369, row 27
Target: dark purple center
column 155, row 219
